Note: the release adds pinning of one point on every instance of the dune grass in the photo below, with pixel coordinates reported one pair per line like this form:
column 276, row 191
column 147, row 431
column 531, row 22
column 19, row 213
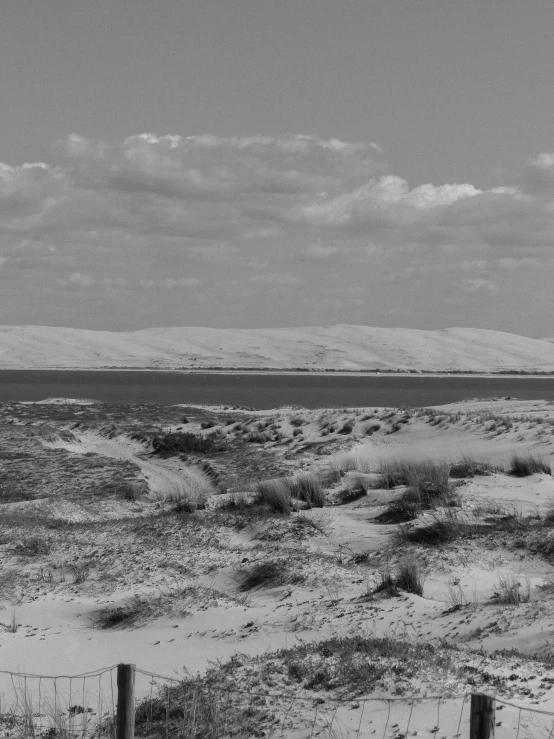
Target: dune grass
column 470, row 467
column 428, row 487
column 268, row 574
column 408, row 577
column 523, row 465
column 275, row 494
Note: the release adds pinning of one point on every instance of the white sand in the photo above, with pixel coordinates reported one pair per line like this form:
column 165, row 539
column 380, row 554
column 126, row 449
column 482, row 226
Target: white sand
column 344, row 347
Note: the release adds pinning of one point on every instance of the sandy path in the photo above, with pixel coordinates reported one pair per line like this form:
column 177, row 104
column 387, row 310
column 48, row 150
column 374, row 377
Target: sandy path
column 165, row 478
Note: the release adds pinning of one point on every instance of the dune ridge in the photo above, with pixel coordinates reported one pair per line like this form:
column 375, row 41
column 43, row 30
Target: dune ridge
column 339, row 347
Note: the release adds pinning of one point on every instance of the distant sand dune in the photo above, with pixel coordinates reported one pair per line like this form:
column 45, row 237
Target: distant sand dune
column 343, row 347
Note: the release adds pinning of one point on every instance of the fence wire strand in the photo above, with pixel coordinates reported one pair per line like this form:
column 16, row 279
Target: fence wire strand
column 84, row 707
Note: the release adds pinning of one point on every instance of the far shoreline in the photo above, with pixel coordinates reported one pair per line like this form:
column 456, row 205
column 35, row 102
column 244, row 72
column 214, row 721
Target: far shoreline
column 298, row 372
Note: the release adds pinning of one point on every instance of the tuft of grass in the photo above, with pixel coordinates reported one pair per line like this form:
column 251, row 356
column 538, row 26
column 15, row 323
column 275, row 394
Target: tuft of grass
column 184, row 443
column 529, row 464
column 275, row 494
column 32, row 546
column 427, row 482
column 269, row 574
column 410, row 577
column 424, row 475
column 258, row 437
column 405, row 508
column 469, row 467
column 442, row 530
column 511, row 592
column 346, row 428
column 309, row 489
column 297, row 421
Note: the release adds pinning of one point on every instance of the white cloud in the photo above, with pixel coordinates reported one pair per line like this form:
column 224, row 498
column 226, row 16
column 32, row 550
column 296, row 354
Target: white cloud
column 321, row 251
column 277, row 278
column 135, row 217
column 77, row 278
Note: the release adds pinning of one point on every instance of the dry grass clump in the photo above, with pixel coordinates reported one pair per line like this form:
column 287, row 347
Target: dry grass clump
column 32, row 546
column 297, row 421
column 510, row 591
column 428, row 487
column 205, row 707
column 269, row 574
column 184, row 443
column 423, row 475
column 443, row 529
column 275, row 494
column 309, row 489
column 371, row 428
column 524, row 465
column 278, row 493
column 469, row 467
column 258, row 437
column 409, row 577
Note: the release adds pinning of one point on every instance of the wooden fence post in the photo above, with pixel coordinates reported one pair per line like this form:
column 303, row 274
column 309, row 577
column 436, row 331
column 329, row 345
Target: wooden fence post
column 125, row 721
column 481, row 725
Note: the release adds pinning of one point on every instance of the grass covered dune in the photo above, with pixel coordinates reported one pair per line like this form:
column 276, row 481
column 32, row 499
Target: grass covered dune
column 283, row 566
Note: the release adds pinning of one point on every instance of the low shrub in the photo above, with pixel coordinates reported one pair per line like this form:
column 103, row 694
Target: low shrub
column 309, row 489
column 525, row 465
column 268, row 574
column 32, row 546
column 406, row 508
column 258, row 437
column 511, row 592
column 297, row 421
column 442, row 530
column 408, row 577
column 346, row 428
column 469, row 467
column 275, row 494
column 184, row 443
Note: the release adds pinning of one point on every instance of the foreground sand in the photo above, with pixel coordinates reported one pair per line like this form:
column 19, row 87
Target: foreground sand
column 93, row 521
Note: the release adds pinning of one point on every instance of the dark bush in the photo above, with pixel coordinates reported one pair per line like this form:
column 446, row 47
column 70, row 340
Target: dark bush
column 184, row 443
column 522, row 466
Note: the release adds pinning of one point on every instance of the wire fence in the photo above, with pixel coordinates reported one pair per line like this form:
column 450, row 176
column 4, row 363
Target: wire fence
column 91, row 706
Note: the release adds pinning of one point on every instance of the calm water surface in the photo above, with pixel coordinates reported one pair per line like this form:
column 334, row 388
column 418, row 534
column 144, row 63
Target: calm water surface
column 264, row 390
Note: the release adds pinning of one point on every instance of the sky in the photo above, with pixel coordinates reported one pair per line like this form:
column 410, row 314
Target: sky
column 262, row 163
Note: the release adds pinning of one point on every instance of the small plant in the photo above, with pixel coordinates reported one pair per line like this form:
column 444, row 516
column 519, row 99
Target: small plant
column 297, row 421
column 525, row 465
column 207, row 424
column 32, row 546
column 275, row 494
column 410, row 577
column 469, row 467
column 442, row 530
column 309, row 489
column 371, row 428
column 184, row 443
column 511, row 592
column 258, row 437
column 386, row 583
column 346, row 428
column 268, row 574
column 79, row 573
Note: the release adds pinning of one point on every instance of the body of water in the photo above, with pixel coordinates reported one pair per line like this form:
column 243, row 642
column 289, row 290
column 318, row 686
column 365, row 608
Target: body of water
column 264, row 390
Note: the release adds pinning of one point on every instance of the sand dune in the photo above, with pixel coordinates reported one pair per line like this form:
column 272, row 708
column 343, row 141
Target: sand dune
column 345, row 347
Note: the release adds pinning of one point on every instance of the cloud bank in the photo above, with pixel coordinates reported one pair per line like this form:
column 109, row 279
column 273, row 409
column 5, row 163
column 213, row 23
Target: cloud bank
column 260, row 230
